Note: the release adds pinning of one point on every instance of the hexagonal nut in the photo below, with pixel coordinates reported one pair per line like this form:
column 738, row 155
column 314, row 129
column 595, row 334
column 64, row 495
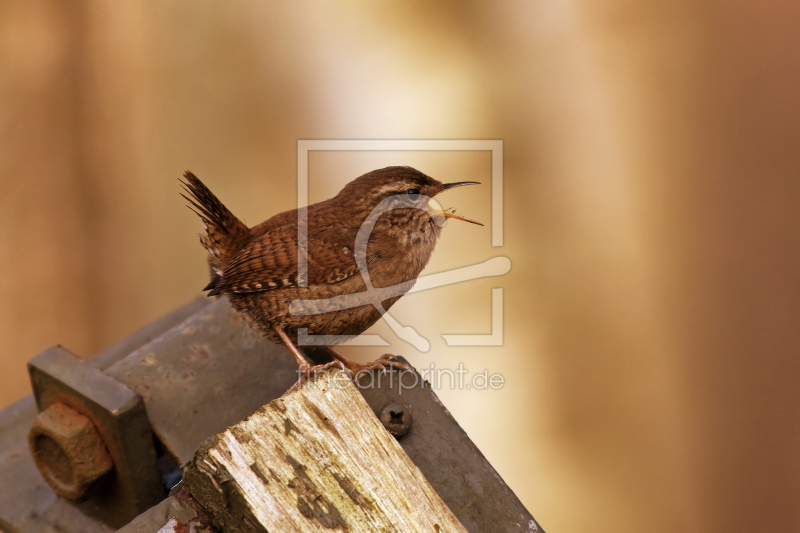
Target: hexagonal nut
column 68, row 451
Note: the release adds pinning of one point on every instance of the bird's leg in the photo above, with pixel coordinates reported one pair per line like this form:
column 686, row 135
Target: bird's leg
column 306, row 370
column 355, row 368
column 298, row 355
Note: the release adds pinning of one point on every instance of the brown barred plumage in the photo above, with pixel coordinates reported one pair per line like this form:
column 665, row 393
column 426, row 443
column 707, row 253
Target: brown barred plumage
column 258, row 267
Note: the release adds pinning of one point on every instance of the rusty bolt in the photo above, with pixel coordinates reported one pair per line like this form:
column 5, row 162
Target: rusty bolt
column 396, row 418
column 68, row 451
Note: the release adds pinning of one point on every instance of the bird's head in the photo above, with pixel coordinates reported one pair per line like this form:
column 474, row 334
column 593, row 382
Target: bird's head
column 400, row 193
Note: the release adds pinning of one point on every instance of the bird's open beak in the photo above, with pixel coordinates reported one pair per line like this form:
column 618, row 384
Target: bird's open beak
column 450, row 214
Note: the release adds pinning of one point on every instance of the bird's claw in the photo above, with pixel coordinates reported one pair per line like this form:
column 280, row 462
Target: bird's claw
column 353, row 370
column 386, row 360
column 306, row 372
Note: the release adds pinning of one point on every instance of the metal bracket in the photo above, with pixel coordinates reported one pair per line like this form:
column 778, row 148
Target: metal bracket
column 198, row 371
column 65, row 387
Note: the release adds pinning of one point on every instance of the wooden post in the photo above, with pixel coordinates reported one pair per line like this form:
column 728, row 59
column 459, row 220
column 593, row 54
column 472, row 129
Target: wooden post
column 315, row 460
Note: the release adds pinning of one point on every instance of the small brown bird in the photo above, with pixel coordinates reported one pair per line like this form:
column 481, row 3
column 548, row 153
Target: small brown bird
column 380, row 230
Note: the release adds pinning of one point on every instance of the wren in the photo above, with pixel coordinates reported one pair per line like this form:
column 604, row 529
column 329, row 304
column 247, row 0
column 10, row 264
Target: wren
column 381, row 228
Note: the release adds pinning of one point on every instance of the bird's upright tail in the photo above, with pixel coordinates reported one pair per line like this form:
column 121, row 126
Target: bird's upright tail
column 225, row 233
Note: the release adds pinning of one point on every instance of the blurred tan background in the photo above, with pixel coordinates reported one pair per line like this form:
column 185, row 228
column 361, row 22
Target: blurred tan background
column 652, row 179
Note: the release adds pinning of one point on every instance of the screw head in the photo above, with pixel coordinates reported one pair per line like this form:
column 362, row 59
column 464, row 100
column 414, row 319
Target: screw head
column 396, row 418
column 68, row 451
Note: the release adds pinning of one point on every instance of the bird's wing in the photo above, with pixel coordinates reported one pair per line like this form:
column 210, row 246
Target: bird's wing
column 270, row 261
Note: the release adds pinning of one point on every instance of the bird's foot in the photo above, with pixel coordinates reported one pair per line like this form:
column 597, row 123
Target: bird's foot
column 351, row 368
column 386, row 360
column 306, row 372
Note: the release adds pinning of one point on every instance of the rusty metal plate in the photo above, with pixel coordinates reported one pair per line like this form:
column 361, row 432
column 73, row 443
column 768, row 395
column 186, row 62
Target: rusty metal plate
column 451, row 462
column 147, row 333
column 204, row 375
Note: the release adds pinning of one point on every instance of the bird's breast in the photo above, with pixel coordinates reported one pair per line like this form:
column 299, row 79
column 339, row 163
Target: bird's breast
column 404, row 252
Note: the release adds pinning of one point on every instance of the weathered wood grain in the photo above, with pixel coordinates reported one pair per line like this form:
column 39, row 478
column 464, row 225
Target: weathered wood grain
column 315, row 460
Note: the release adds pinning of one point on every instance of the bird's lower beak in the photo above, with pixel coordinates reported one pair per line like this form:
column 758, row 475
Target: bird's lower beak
column 448, row 213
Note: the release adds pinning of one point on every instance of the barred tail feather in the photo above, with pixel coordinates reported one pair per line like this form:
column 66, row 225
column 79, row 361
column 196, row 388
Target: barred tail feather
column 224, row 232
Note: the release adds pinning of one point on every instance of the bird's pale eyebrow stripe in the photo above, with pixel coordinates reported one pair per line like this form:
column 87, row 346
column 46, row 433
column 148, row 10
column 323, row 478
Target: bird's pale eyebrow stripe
column 392, row 188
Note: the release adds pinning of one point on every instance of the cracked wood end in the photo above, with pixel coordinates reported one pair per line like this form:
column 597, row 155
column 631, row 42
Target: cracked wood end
column 316, row 460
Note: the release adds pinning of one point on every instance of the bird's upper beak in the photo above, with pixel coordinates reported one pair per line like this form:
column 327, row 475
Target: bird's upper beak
column 451, row 214
column 448, row 186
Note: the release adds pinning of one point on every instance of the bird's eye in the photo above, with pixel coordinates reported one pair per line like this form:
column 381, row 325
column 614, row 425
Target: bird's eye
column 412, row 191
